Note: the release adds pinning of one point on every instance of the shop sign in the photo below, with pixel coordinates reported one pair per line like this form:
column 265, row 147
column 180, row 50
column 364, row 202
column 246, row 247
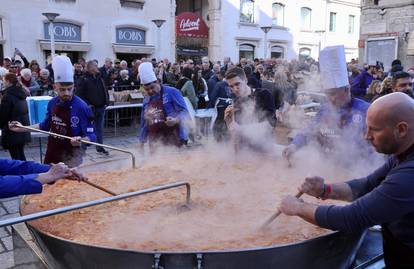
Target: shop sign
column 64, row 31
column 190, row 25
column 130, row 35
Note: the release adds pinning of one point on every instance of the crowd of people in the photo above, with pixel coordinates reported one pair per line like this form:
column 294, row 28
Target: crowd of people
column 243, row 93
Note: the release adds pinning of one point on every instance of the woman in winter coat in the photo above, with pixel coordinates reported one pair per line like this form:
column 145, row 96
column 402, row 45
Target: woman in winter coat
column 187, row 89
column 13, row 107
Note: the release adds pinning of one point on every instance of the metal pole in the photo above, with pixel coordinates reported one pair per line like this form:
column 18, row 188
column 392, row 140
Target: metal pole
column 52, row 38
column 65, row 209
column 159, row 43
column 265, row 46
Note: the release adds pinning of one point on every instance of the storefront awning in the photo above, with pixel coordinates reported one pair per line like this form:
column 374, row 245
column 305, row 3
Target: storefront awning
column 66, row 46
column 123, row 48
column 191, row 51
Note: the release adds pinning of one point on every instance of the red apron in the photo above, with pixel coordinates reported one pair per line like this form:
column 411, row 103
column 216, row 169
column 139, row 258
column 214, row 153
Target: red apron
column 158, row 131
column 60, row 149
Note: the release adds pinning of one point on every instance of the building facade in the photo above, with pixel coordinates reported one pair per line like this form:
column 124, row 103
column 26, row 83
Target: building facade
column 386, row 32
column 234, row 28
column 299, row 28
column 90, row 29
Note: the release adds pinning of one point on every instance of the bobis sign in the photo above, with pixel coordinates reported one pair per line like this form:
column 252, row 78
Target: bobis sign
column 191, row 25
column 130, row 35
column 64, row 31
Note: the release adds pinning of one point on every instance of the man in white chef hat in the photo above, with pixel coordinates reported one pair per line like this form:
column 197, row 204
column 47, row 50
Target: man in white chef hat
column 67, row 115
column 164, row 111
column 342, row 117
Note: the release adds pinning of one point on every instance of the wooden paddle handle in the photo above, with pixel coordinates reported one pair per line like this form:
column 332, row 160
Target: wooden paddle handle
column 278, row 212
column 99, row 187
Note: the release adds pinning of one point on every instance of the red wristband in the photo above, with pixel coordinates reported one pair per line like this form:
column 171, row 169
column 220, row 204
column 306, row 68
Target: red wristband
column 327, row 191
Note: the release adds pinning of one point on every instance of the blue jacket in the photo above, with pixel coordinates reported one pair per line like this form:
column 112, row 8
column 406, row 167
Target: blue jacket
column 18, row 177
column 384, row 197
column 354, row 125
column 360, row 84
column 174, row 106
column 81, row 117
column 221, row 90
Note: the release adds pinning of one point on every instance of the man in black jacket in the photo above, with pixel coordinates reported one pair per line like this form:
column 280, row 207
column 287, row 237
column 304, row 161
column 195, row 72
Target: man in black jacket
column 92, row 90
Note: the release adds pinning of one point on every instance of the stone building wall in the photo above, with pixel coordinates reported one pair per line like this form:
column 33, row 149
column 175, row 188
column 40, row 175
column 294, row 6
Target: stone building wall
column 390, row 18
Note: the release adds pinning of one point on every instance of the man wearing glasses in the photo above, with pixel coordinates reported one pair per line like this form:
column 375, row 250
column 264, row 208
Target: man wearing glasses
column 67, row 115
column 164, row 112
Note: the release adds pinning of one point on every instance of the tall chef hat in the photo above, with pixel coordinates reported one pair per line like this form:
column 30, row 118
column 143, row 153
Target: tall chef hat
column 334, row 73
column 146, row 73
column 62, row 69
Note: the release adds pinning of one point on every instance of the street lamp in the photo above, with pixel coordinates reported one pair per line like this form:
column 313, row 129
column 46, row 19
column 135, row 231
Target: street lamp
column 51, row 18
column 158, row 23
column 265, row 29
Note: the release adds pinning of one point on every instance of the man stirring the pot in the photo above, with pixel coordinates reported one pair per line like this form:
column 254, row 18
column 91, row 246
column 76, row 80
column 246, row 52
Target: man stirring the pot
column 384, row 197
column 164, row 111
column 67, row 115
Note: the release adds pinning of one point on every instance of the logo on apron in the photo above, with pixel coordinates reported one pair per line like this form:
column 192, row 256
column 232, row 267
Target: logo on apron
column 74, row 121
column 357, row 118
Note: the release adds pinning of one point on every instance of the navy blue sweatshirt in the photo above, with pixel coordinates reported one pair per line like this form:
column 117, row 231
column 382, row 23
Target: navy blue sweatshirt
column 384, row 197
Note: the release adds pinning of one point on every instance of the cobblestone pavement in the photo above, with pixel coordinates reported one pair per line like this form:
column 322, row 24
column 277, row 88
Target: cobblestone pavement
column 126, row 138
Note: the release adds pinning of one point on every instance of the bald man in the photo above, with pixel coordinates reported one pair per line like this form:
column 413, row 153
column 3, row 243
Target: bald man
column 384, row 197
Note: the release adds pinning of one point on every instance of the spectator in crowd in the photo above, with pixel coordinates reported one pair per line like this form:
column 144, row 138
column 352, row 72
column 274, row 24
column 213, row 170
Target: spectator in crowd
column 35, row 68
column 82, row 62
column 187, row 89
column 113, row 77
column 3, row 72
column 373, row 91
column 173, row 75
column 78, row 73
column 206, row 71
column 117, row 64
column 401, row 82
column 286, row 89
column 226, row 62
column 269, row 84
column 211, row 83
column 252, row 80
column 104, row 70
column 361, row 83
column 28, row 82
column 7, row 62
column 92, row 90
column 14, row 108
column 124, row 82
column 45, row 84
column 17, row 52
column 200, row 87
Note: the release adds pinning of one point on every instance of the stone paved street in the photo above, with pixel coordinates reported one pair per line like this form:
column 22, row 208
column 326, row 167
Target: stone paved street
column 126, row 138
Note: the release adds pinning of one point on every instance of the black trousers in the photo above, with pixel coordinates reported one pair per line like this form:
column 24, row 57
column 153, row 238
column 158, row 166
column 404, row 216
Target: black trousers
column 17, row 152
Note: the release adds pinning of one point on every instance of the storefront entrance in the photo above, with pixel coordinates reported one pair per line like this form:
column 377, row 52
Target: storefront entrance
column 73, row 55
column 191, row 37
column 130, row 57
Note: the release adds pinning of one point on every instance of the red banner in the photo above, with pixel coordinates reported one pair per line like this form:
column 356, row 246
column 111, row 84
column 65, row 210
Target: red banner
column 190, row 25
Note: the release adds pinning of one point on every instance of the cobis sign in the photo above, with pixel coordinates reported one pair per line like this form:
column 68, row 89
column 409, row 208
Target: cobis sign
column 129, row 35
column 64, row 31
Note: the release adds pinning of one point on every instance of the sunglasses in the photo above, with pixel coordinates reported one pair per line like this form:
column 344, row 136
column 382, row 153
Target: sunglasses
column 404, row 85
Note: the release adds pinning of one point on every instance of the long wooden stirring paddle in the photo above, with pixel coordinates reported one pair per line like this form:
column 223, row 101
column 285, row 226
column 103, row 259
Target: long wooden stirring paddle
column 100, row 187
column 277, row 213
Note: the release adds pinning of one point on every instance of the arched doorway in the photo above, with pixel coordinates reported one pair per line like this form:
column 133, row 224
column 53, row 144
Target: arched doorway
column 277, row 52
column 246, row 51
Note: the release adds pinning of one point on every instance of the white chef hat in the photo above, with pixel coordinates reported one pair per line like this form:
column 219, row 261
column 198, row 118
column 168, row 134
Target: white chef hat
column 333, row 68
column 62, row 69
column 146, row 73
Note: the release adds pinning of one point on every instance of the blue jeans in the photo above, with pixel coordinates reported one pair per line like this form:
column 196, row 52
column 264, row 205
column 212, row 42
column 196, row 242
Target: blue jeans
column 99, row 114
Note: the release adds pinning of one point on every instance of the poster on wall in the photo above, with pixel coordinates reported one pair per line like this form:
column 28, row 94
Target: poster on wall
column 384, row 50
